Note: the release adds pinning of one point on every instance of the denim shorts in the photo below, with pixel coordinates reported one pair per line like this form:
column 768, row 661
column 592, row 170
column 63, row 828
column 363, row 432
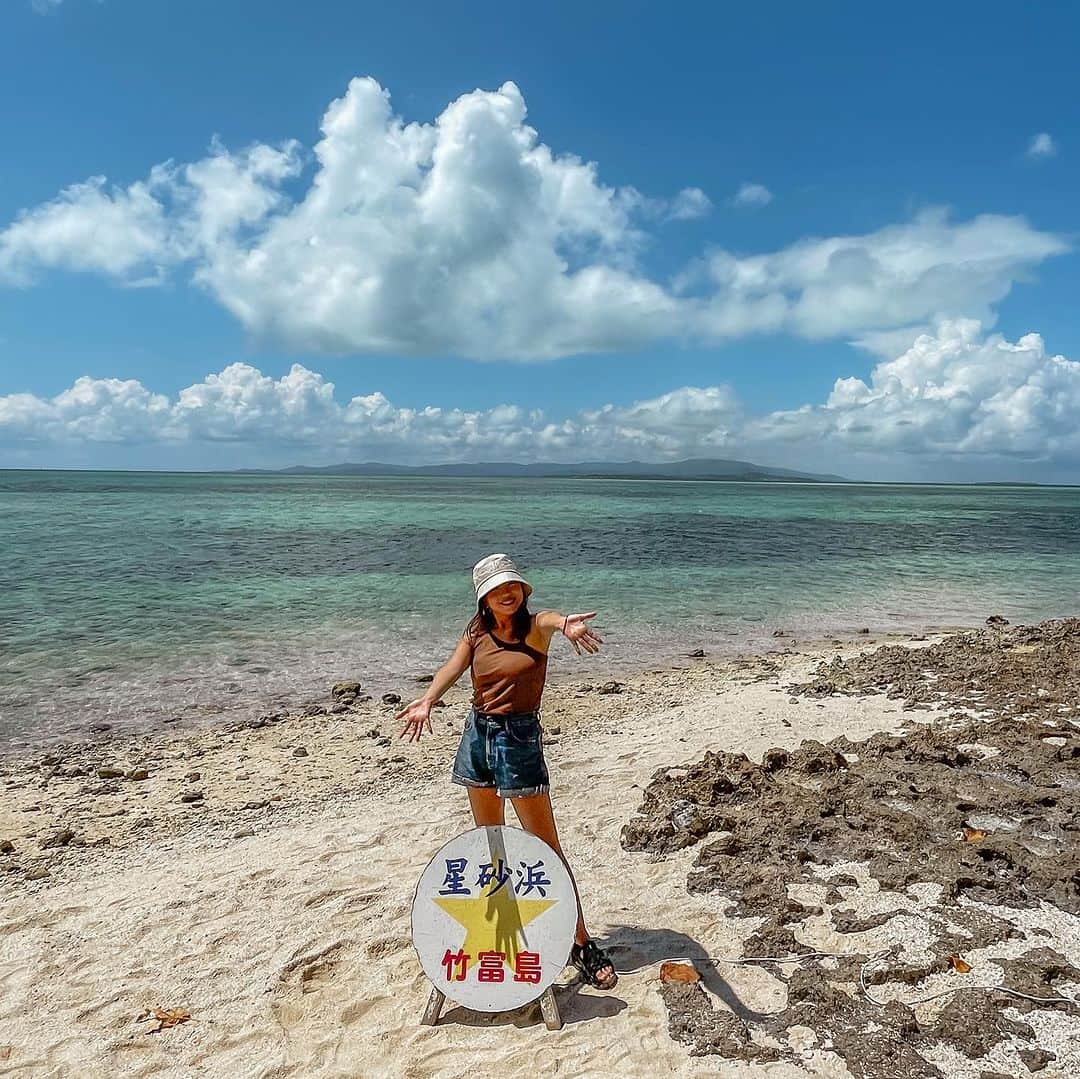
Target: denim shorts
column 504, row 752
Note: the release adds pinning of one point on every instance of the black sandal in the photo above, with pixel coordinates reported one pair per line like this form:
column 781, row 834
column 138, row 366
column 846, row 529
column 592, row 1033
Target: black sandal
column 590, row 959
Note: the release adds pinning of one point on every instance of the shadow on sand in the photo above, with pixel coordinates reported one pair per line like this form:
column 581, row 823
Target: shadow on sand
column 632, row 949
column 574, row 1007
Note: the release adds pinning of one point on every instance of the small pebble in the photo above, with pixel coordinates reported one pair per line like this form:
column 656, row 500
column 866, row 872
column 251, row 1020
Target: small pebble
column 59, row 839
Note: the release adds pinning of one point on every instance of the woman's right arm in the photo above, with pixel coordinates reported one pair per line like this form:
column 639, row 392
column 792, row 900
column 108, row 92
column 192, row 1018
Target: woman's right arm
column 417, row 715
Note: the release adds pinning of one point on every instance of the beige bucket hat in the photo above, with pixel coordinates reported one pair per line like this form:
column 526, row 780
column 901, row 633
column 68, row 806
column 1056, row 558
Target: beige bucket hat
column 494, row 570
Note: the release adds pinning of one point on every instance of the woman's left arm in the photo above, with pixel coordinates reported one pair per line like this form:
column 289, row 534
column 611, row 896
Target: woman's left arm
column 573, row 627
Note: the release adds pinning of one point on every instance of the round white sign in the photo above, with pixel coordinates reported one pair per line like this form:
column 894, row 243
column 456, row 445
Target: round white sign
column 493, row 918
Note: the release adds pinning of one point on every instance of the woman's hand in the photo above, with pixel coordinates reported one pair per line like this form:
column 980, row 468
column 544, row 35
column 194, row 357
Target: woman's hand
column 580, row 635
column 417, row 716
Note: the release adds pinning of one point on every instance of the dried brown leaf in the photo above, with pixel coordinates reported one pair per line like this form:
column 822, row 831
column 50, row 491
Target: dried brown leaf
column 171, row 1017
column 959, row 965
column 679, row 972
column 973, row 835
column 166, row 1017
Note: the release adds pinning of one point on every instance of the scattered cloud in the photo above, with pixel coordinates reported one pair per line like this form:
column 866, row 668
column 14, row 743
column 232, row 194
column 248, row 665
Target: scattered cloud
column 470, row 236
column 752, row 195
column 1042, row 146
column 45, row 7
column 956, row 392
column 690, row 203
column 901, row 277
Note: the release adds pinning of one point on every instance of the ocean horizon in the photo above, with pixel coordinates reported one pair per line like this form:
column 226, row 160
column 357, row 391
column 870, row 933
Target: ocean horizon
column 287, row 473
column 131, row 597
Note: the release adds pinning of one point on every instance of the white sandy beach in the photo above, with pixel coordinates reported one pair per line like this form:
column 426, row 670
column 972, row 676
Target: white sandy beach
column 283, row 928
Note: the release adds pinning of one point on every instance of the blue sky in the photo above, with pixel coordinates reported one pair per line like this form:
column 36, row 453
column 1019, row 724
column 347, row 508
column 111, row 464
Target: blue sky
column 950, row 129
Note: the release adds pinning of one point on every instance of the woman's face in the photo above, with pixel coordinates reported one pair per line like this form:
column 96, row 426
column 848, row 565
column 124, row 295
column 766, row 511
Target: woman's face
column 505, row 599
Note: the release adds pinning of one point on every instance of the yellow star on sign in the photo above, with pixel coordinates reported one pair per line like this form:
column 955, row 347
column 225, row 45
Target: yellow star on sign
column 494, row 922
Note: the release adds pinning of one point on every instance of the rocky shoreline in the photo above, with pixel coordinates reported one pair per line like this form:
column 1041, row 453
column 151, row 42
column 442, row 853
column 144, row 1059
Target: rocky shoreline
column 74, row 803
column 968, row 827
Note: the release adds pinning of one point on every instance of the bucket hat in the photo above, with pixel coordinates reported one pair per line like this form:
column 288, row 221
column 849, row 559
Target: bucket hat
column 494, row 570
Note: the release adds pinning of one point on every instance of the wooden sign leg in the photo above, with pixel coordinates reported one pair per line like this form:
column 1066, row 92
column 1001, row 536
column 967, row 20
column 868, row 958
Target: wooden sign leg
column 549, row 1008
column 433, row 1009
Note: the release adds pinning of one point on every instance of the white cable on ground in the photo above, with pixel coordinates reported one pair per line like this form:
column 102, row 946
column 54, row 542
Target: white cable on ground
column 783, row 958
column 954, row 989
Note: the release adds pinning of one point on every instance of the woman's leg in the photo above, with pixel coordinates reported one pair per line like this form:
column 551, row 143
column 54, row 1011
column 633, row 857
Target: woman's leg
column 537, row 817
column 487, row 807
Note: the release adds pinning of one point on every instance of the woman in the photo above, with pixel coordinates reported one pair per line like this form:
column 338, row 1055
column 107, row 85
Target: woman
column 501, row 751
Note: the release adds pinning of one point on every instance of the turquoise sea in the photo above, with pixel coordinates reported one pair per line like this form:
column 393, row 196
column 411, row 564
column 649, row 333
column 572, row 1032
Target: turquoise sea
column 127, row 598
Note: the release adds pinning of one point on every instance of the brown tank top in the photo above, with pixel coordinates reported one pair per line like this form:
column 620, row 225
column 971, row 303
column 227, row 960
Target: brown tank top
column 507, row 677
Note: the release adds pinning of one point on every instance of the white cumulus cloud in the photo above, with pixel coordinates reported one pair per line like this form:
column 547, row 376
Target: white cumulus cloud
column 122, row 232
column 955, row 394
column 242, row 406
column 468, row 235
column 135, row 234
column 90, row 410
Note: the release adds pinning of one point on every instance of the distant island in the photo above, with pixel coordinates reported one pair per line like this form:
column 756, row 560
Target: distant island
column 701, row 468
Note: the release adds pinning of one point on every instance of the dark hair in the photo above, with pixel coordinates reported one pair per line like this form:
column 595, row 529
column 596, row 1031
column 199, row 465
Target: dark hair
column 484, row 621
